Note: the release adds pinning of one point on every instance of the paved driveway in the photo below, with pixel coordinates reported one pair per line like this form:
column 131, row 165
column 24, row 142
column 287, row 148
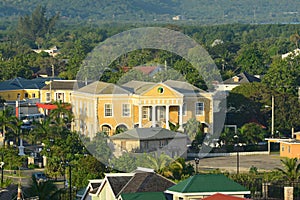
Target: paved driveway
column 229, row 163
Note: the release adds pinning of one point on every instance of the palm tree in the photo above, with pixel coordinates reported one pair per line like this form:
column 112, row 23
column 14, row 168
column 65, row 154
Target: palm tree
column 157, row 162
column 6, row 121
column 62, row 114
column 45, row 190
column 291, row 169
column 40, row 131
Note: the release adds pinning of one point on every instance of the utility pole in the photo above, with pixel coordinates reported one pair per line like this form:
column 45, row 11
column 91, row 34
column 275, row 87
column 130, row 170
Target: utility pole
column 272, row 126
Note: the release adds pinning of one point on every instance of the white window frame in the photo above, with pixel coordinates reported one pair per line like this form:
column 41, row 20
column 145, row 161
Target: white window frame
column 106, row 110
column 126, row 110
column 48, row 97
column 198, row 111
column 60, row 93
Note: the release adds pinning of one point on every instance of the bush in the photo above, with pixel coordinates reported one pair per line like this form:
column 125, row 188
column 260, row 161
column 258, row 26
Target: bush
column 32, row 166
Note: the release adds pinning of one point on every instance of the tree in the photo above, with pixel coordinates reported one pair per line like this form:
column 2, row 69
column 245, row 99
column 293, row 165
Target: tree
column 45, row 190
column 127, row 162
column 33, row 28
column 295, row 38
column 251, row 59
column 283, row 75
column 251, row 133
column 41, row 130
column 155, row 161
column 6, row 122
column 291, row 169
column 62, row 114
column 178, row 169
column 192, row 128
column 99, row 147
column 245, row 103
column 135, row 75
column 91, row 169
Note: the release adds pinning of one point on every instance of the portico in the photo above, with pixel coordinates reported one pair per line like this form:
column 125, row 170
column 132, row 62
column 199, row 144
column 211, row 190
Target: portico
column 139, row 104
column 157, row 113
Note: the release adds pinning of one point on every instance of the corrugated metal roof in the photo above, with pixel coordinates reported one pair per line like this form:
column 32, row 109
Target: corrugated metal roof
column 207, row 183
column 22, row 83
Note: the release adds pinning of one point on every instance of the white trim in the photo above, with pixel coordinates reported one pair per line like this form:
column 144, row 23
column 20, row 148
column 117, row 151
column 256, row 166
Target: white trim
column 112, row 110
column 46, row 99
column 129, row 107
column 64, row 96
column 124, row 124
column 164, row 85
column 105, row 124
column 203, row 111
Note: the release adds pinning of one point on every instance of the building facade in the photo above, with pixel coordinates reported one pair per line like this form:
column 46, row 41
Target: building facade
column 107, row 107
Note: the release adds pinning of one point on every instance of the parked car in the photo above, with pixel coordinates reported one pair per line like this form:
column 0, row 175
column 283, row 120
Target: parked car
column 40, row 176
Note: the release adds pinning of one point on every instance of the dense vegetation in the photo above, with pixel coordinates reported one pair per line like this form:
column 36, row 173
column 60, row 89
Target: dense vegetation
column 256, row 49
column 200, row 11
column 237, row 48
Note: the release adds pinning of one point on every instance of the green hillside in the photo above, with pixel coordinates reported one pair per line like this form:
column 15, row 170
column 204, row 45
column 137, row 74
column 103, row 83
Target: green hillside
column 203, row 11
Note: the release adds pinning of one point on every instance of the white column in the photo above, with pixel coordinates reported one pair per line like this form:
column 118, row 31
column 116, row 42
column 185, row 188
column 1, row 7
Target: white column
column 153, row 116
column 167, row 117
column 180, row 117
column 140, row 116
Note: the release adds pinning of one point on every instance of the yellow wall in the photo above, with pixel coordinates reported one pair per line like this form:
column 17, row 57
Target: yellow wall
column 106, row 193
column 116, row 118
column 173, row 114
column 290, row 150
column 12, row 95
column 67, row 95
column 167, row 92
column 152, row 97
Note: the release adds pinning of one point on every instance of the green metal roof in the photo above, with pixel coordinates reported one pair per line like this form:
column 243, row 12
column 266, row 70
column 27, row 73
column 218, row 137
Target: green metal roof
column 144, row 196
column 207, row 183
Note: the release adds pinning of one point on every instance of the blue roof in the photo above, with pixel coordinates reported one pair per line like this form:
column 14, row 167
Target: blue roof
column 22, row 83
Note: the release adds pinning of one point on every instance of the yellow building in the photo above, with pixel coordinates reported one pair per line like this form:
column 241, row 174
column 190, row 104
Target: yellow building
column 108, row 107
column 57, row 90
column 21, row 88
column 290, row 147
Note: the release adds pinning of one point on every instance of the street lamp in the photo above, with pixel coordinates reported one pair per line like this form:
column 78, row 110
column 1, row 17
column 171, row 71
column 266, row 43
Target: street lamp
column 237, row 154
column 197, row 160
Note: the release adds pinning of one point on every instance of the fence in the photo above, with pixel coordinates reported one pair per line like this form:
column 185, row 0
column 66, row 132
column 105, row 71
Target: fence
column 270, row 191
column 201, row 155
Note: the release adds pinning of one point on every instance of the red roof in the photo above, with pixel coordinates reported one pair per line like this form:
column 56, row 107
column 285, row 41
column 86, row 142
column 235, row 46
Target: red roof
column 49, row 106
column 144, row 69
column 219, row 196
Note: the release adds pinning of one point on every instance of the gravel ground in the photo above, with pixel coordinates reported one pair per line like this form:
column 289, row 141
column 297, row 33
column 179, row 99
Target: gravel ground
column 229, row 163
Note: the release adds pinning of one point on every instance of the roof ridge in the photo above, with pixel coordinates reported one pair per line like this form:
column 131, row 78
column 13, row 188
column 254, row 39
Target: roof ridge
column 125, row 185
column 189, row 182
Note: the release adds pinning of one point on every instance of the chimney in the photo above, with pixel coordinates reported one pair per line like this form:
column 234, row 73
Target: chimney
column 293, row 133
